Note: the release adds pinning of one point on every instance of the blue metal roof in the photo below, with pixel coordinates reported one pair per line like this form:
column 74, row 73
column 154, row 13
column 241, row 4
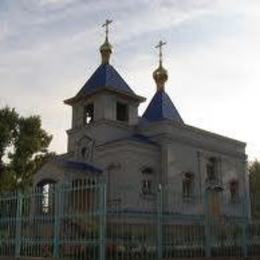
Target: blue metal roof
column 105, row 76
column 161, row 108
column 81, row 166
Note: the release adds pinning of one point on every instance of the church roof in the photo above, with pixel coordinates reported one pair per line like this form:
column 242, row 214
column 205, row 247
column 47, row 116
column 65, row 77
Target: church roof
column 80, row 166
column 105, row 77
column 161, row 108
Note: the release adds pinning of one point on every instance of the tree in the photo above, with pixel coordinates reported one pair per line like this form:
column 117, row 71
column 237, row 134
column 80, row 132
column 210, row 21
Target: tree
column 23, row 148
column 254, row 179
column 8, row 127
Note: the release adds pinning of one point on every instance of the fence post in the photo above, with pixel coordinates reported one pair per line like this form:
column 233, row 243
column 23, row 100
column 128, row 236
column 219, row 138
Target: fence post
column 18, row 223
column 57, row 227
column 102, row 219
column 245, row 228
column 207, row 225
column 244, row 237
column 159, row 222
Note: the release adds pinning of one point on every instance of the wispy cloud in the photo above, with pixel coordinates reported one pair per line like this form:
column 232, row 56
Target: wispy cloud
column 48, row 49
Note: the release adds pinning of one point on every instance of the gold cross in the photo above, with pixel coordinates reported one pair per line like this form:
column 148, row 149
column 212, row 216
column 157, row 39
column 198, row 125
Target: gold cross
column 159, row 45
column 106, row 24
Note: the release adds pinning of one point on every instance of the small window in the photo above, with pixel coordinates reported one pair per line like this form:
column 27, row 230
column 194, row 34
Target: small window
column 146, row 188
column 147, row 185
column 46, row 202
column 46, row 197
column 187, row 185
column 147, row 170
column 121, row 112
column 212, row 169
column 234, row 190
column 89, row 113
column 85, row 152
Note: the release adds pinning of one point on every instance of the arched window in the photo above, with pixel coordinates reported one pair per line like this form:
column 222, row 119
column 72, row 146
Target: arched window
column 146, row 187
column 85, row 148
column 45, row 191
column 83, row 152
column 88, row 114
column 234, row 190
column 188, row 185
column 147, row 170
column 212, row 174
column 147, row 182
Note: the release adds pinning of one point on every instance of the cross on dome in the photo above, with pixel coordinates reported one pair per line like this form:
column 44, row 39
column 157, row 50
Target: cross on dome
column 106, row 24
column 160, row 75
column 106, row 47
column 159, row 46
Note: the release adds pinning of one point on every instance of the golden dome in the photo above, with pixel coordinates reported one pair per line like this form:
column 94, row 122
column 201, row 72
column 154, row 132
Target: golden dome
column 105, row 50
column 106, row 47
column 160, row 76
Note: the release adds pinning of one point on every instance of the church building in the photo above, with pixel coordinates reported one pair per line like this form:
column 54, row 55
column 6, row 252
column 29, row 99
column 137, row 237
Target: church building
column 137, row 155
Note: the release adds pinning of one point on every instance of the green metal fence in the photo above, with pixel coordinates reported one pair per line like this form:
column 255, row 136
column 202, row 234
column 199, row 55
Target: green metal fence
column 79, row 220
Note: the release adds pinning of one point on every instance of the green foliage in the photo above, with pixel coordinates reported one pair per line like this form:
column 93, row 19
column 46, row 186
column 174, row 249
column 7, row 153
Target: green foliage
column 23, row 148
column 254, row 177
column 8, row 128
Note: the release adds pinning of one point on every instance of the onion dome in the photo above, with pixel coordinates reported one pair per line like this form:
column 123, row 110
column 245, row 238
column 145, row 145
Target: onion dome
column 161, row 106
column 106, row 47
column 105, row 50
column 160, row 75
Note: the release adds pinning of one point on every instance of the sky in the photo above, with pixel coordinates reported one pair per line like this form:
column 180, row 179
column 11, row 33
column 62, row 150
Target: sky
column 49, row 48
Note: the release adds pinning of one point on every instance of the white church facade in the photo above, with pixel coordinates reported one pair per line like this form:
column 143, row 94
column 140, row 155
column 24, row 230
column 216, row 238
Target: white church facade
column 137, row 155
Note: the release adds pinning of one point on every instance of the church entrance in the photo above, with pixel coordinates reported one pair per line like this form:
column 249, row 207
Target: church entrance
column 214, row 203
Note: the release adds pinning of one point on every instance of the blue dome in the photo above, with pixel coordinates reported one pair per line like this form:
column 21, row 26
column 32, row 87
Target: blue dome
column 161, row 108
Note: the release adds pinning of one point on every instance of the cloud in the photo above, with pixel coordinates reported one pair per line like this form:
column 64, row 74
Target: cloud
column 50, row 47
column 3, row 30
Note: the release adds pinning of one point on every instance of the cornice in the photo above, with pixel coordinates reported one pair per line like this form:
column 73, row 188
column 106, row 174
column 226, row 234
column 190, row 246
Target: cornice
column 121, row 125
column 191, row 129
column 168, row 139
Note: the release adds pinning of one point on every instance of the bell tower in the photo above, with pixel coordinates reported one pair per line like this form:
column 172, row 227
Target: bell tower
column 105, row 105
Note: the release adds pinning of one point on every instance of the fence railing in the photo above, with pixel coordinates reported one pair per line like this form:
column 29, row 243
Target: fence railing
column 78, row 220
